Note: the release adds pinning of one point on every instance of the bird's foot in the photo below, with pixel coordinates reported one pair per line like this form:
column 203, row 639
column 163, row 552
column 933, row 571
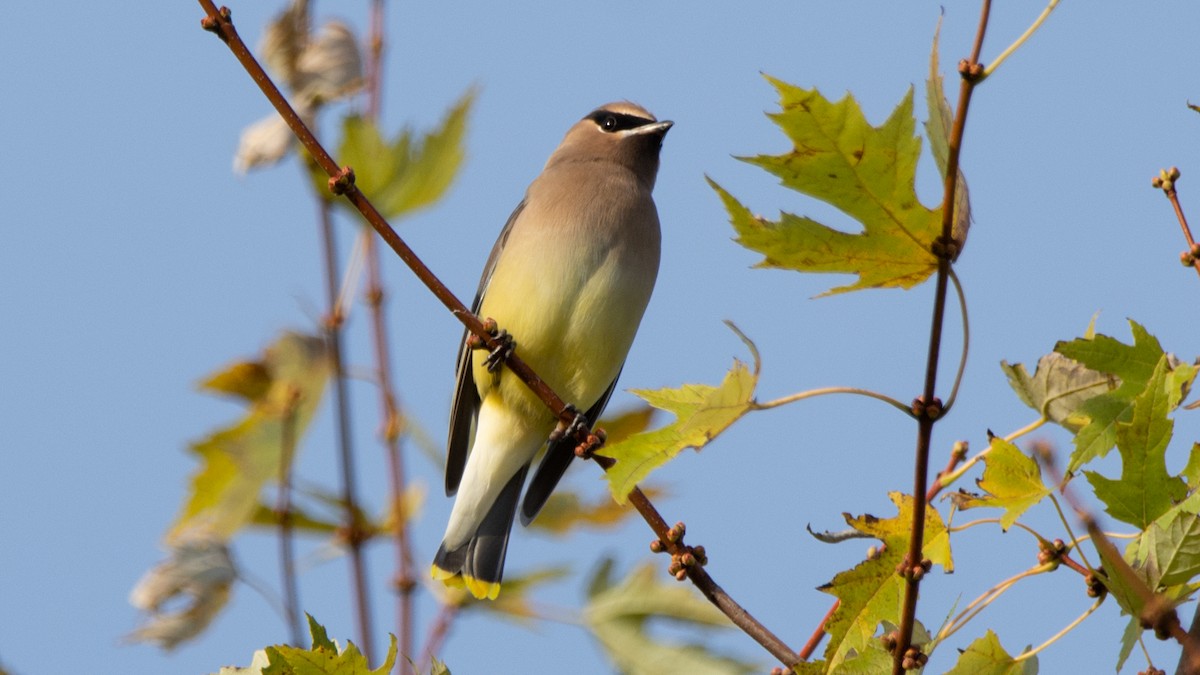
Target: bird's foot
column 577, row 425
column 505, row 344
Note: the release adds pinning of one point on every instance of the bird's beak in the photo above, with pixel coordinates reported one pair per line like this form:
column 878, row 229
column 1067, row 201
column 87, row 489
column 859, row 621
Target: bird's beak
column 659, row 128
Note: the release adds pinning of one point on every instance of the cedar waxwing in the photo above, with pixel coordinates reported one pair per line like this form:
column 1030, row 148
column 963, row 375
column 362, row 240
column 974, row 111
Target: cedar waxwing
column 568, row 279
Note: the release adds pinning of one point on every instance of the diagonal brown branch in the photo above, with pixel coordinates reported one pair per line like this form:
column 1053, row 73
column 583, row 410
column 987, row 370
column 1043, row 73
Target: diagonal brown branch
column 341, row 182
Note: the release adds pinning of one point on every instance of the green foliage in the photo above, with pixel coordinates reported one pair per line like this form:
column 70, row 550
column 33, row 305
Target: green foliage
column 323, row 658
column 1132, row 366
column 619, row 614
column 871, row 592
column 867, row 172
column 702, row 413
column 282, row 389
column 985, row 656
column 410, row 172
column 1145, row 490
column 1012, row 481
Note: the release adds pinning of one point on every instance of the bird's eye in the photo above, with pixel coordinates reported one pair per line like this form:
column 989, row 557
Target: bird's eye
column 609, row 123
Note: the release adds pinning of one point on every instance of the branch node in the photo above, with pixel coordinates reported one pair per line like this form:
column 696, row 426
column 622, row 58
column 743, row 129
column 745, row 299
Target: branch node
column 914, row 658
column 212, row 23
column 1095, row 587
column 591, row 442
column 403, row 585
column 1051, row 552
column 341, row 183
column 945, row 248
column 932, row 409
column 971, row 72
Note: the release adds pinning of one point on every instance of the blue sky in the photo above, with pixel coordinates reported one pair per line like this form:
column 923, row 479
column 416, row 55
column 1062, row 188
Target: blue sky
column 135, row 262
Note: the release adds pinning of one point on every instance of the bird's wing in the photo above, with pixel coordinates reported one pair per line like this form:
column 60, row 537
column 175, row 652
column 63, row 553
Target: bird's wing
column 558, row 457
column 465, row 407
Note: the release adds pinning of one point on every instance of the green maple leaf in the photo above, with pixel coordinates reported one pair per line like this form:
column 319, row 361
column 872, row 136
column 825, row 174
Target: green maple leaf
column 1132, row 365
column 1145, row 490
column 871, row 592
column 702, row 412
column 324, row 658
column 619, row 614
column 409, row 172
column 1169, row 549
column 985, row 656
column 283, row 388
column 1012, row 481
column 867, row 172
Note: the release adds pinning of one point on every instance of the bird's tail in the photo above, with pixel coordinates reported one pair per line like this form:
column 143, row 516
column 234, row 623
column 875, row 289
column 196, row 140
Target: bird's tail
column 479, row 563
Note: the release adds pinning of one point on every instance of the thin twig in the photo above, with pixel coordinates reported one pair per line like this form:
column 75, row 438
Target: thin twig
column 404, row 581
column 970, row 71
column 715, row 594
column 283, row 511
column 825, row 391
column 1037, row 23
column 814, row 640
column 341, row 181
column 355, row 537
column 1166, row 182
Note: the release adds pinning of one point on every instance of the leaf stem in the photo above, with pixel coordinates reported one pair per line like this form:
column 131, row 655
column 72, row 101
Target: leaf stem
column 966, row 345
column 825, row 391
column 970, row 70
column 1070, row 532
column 1021, row 40
column 989, row 596
column 1057, row 636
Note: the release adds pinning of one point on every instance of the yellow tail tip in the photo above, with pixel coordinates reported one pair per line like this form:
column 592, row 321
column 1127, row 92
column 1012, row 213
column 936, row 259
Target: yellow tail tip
column 482, row 590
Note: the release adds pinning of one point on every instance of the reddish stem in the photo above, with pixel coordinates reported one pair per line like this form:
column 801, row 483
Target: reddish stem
column 971, row 72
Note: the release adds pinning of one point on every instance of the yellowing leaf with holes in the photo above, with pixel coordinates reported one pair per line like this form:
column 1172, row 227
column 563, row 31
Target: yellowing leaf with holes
column 282, row 389
column 866, row 172
column 702, row 412
column 872, row 591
